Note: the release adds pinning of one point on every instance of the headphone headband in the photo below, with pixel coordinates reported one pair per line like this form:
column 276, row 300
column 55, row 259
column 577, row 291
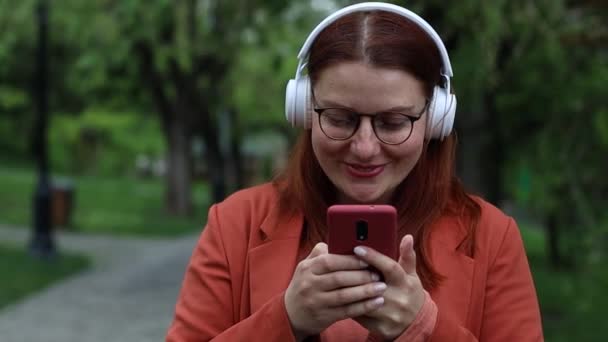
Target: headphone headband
column 377, row 6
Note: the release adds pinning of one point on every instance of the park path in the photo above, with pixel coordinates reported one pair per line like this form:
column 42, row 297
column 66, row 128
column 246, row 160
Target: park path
column 127, row 295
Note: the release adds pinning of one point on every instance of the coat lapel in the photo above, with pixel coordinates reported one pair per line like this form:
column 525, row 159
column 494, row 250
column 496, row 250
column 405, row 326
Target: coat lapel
column 457, row 268
column 271, row 264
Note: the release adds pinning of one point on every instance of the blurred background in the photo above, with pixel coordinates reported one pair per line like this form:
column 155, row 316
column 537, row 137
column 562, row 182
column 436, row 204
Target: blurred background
column 124, row 120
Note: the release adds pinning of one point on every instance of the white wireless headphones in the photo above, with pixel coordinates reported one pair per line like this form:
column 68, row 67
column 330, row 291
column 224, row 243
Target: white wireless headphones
column 442, row 106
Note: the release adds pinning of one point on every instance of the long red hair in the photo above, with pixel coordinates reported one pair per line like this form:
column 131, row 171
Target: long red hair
column 431, row 190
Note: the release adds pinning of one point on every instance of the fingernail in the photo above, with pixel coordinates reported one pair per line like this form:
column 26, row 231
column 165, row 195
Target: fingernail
column 360, row 251
column 379, row 301
column 375, row 277
column 363, row 263
column 380, row 287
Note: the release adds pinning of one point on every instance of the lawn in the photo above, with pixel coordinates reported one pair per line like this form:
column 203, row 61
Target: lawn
column 20, row 274
column 573, row 302
column 121, row 206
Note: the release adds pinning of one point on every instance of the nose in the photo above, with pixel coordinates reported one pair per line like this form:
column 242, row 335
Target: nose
column 365, row 145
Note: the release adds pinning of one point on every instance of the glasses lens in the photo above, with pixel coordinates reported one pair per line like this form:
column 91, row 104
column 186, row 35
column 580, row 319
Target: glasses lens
column 338, row 123
column 392, row 128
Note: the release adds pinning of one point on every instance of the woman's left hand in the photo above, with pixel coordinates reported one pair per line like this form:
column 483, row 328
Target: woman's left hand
column 404, row 295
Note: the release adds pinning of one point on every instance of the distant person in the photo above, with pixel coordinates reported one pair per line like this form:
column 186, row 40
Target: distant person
column 377, row 110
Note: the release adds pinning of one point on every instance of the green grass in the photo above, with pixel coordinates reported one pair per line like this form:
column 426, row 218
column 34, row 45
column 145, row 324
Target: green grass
column 120, row 206
column 21, row 274
column 573, row 302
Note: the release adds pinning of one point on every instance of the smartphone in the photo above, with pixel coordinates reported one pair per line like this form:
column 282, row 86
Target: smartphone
column 354, row 225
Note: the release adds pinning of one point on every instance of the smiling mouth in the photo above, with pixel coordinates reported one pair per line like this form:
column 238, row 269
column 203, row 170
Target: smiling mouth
column 364, row 171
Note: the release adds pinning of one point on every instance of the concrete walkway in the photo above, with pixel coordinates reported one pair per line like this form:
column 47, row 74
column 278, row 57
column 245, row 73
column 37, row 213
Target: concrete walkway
column 127, row 295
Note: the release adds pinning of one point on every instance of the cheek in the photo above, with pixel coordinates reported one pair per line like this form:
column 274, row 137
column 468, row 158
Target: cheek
column 320, row 147
column 420, row 129
column 408, row 154
column 317, row 142
column 323, row 146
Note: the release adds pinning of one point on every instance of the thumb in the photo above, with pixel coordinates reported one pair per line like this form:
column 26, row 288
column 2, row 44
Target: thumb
column 407, row 257
column 319, row 249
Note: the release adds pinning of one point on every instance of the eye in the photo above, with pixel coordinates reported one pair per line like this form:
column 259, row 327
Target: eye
column 340, row 117
column 392, row 120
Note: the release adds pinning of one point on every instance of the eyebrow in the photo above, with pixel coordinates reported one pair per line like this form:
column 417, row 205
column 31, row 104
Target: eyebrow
column 400, row 109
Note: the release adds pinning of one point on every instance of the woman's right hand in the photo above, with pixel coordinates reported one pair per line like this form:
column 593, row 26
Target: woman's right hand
column 326, row 288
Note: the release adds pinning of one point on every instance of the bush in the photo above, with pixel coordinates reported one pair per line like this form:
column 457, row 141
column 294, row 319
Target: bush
column 102, row 143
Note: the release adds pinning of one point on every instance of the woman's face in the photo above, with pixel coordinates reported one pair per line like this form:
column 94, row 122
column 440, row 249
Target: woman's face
column 364, row 169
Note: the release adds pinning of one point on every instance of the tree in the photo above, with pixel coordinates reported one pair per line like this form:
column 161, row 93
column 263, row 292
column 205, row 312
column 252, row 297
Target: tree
column 181, row 53
column 174, row 58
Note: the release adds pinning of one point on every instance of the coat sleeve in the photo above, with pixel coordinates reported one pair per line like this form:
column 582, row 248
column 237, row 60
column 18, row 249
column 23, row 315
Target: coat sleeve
column 205, row 310
column 511, row 311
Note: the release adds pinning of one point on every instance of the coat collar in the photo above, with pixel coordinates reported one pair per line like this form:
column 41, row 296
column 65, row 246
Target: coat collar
column 277, row 225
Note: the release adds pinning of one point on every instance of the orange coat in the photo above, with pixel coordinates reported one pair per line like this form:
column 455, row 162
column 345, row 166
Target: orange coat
column 234, row 285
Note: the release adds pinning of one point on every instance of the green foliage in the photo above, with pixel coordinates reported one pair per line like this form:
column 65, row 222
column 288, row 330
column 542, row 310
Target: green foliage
column 103, row 143
column 13, row 102
column 266, row 61
column 12, row 99
column 555, row 87
column 21, row 274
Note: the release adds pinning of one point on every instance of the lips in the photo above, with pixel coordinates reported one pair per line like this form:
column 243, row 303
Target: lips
column 364, row 171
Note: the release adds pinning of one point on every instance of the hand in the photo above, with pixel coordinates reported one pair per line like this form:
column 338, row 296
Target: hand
column 326, row 288
column 404, row 296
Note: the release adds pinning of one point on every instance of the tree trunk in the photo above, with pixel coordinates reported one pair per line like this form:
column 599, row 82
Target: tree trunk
column 216, row 170
column 494, row 155
column 235, row 150
column 552, row 236
column 471, row 139
column 179, row 180
column 178, row 194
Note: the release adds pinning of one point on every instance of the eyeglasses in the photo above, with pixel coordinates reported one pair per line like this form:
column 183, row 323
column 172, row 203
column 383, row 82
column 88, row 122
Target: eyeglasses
column 391, row 128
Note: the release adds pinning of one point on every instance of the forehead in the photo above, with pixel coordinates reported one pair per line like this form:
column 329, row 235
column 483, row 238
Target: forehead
column 367, row 88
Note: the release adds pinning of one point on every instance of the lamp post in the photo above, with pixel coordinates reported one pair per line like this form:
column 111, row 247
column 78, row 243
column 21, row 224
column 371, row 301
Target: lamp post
column 41, row 244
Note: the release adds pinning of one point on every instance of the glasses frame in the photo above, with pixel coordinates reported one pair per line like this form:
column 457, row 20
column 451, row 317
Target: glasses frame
column 412, row 119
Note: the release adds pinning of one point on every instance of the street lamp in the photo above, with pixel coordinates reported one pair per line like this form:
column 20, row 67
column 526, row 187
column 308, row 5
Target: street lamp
column 41, row 244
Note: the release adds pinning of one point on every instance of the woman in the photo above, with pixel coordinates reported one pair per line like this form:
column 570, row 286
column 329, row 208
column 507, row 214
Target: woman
column 378, row 121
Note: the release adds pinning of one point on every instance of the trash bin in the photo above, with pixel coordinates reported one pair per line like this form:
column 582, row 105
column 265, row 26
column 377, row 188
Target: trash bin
column 62, row 202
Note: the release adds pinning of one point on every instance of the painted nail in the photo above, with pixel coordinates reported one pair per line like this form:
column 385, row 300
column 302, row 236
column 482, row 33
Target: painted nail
column 380, row 287
column 379, row 301
column 360, row 251
column 375, row 277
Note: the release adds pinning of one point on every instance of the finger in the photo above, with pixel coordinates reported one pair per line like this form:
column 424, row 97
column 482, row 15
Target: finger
column 340, row 279
column 358, row 309
column 319, row 249
column 349, row 295
column 407, row 257
column 327, row 263
column 389, row 268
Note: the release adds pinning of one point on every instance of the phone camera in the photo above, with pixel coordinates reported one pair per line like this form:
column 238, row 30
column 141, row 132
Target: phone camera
column 361, row 229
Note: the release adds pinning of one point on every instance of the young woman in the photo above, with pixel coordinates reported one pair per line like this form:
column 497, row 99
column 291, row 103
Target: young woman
column 377, row 110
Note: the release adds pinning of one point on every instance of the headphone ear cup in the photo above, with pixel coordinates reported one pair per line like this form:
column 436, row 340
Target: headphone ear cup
column 442, row 110
column 298, row 105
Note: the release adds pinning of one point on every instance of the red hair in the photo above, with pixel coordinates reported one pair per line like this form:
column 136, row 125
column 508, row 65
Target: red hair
column 431, row 190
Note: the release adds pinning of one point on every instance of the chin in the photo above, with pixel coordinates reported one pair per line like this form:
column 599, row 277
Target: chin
column 362, row 198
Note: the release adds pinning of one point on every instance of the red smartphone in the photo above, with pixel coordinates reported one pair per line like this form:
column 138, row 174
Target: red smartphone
column 354, row 225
